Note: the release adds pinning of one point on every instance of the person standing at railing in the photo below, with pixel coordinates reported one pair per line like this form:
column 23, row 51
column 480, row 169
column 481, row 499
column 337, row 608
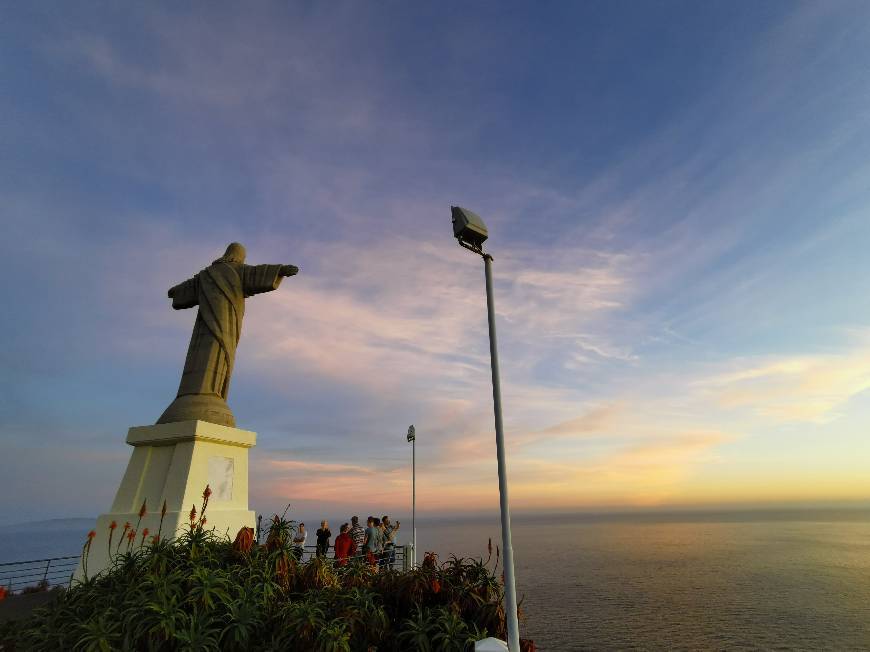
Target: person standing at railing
column 372, row 543
column 390, row 531
column 357, row 536
column 343, row 543
column 323, row 535
column 299, row 541
column 382, row 543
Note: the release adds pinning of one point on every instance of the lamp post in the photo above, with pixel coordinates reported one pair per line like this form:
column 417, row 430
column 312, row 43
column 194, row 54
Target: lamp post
column 471, row 233
column 412, row 437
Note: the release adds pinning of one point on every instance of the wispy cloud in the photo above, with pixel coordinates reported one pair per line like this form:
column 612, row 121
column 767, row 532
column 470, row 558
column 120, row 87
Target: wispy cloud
column 320, row 468
column 799, row 388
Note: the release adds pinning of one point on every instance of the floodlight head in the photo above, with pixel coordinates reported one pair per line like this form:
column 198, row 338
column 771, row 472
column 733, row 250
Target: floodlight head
column 468, row 228
column 411, row 434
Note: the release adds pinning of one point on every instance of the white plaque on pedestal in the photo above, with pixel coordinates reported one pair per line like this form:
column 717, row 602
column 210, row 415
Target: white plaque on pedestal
column 220, row 477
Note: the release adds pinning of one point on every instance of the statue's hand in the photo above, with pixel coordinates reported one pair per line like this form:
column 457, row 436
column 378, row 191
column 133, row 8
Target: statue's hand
column 169, row 294
column 289, row 270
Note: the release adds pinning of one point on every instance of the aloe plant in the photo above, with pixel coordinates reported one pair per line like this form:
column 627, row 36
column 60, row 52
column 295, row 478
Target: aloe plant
column 203, row 592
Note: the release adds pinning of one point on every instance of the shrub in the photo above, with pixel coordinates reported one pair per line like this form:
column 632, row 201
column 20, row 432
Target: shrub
column 203, row 592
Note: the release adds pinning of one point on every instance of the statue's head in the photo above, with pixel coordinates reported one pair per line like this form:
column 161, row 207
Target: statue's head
column 235, row 253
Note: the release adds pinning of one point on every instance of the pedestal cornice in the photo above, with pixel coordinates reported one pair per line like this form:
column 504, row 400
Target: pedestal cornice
column 165, row 434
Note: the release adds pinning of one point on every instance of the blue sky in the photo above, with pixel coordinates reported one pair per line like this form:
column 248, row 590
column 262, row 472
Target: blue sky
column 677, row 198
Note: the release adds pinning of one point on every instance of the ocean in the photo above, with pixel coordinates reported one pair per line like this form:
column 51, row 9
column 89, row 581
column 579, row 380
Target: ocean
column 687, row 582
column 768, row 580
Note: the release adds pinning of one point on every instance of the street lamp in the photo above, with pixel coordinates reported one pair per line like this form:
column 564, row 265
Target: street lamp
column 412, row 438
column 471, row 233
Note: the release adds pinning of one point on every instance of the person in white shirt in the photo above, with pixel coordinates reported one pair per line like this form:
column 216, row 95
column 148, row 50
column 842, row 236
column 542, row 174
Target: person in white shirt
column 390, row 531
column 299, row 541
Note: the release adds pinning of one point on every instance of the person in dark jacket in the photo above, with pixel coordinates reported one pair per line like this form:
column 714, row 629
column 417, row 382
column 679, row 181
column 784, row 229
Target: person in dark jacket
column 323, row 536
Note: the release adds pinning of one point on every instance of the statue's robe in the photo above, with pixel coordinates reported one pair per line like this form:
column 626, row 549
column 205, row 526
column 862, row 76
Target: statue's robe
column 220, row 291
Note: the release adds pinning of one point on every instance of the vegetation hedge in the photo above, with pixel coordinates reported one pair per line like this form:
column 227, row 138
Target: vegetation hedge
column 202, row 592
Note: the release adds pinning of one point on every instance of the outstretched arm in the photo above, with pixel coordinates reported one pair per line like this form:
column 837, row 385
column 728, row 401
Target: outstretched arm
column 264, row 278
column 184, row 295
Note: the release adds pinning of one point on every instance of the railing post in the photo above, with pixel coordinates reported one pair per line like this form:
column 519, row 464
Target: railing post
column 45, row 575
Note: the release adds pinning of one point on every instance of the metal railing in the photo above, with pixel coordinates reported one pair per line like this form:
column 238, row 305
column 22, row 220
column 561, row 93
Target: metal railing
column 401, row 556
column 16, row 576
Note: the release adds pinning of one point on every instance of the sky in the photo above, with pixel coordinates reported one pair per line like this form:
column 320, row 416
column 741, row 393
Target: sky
column 677, row 198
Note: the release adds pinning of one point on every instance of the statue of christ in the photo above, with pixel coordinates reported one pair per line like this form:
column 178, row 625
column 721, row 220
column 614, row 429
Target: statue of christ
column 220, row 291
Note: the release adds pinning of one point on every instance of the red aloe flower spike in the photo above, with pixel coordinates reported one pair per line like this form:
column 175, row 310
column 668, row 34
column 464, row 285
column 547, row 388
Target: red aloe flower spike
column 123, row 535
column 205, row 496
column 192, row 514
column 203, row 522
column 142, row 512
column 144, row 534
column 155, row 539
column 86, row 550
column 3, row 593
column 112, row 527
column 162, row 516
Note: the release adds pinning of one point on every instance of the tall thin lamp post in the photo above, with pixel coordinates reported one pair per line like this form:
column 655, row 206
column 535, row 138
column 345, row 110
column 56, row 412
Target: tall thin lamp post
column 412, row 437
column 471, row 233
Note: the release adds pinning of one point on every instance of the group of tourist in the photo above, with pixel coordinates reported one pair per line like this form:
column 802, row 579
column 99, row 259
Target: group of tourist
column 376, row 543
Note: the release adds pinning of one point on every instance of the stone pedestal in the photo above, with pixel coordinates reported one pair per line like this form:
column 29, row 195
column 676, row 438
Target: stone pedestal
column 174, row 462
